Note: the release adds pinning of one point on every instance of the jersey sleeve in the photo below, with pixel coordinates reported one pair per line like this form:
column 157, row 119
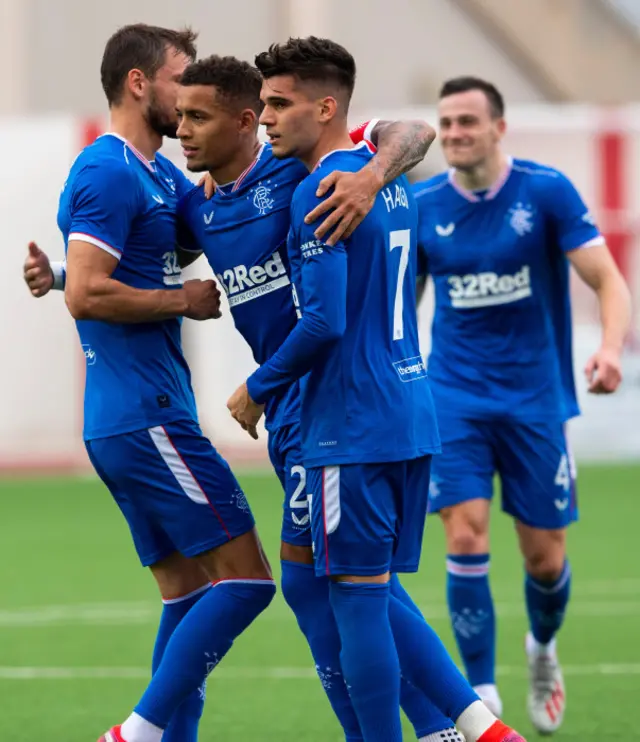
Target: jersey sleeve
column 363, row 132
column 323, row 279
column 186, row 237
column 573, row 222
column 103, row 205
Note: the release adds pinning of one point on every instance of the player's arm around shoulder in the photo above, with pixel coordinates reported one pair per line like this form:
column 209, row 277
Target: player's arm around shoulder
column 586, row 249
column 400, row 146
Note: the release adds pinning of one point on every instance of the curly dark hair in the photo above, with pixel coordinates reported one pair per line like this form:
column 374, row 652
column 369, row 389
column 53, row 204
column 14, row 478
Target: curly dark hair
column 310, row 59
column 466, row 83
column 238, row 82
column 142, row 47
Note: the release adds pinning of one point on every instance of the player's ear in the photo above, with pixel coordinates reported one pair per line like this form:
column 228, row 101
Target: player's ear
column 136, row 80
column 328, row 107
column 248, row 120
column 501, row 126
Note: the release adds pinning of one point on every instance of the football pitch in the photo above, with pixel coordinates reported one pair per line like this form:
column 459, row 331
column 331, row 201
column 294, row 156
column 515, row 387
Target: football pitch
column 78, row 618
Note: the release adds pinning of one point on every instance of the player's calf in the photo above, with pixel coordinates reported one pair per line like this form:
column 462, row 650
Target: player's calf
column 469, row 595
column 547, row 580
column 547, row 592
column 242, row 589
column 308, row 598
column 182, row 584
column 368, row 657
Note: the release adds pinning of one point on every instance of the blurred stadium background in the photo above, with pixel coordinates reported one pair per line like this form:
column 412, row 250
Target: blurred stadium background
column 76, row 616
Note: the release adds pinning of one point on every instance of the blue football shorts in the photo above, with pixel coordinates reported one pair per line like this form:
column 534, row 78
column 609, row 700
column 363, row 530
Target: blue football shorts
column 532, row 460
column 174, row 489
column 368, row 519
column 286, row 457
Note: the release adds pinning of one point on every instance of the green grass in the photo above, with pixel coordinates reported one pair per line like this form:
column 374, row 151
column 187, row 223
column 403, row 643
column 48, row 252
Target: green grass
column 74, row 597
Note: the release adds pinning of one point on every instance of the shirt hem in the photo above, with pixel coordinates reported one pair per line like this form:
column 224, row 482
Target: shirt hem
column 369, row 458
column 134, row 427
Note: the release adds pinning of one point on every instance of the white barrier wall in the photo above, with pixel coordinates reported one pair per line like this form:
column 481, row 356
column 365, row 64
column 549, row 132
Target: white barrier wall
column 41, row 373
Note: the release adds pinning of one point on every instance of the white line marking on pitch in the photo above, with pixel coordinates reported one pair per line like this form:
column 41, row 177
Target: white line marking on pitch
column 138, row 613
column 261, row 673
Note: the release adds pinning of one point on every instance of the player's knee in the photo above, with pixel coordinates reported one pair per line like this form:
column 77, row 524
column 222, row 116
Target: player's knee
column 465, row 533
column 544, row 552
column 545, row 566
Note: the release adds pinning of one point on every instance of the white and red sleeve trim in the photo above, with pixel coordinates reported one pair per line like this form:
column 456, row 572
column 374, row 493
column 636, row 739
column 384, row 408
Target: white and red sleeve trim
column 363, row 132
column 593, row 242
column 84, row 237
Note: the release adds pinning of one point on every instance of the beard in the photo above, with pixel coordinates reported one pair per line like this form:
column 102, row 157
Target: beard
column 158, row 120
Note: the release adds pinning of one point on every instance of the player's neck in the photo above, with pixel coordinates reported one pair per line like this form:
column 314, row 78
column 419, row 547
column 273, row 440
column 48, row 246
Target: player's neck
column 232, row 170
column 131, row 126
column 331, row 140
column 483, row 176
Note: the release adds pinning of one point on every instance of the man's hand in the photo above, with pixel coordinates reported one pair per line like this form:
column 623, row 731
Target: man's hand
column 245, row 411
column 603, row 371
column 203, row 299
column 352, row 199
column 37, row 271
column 209, row 185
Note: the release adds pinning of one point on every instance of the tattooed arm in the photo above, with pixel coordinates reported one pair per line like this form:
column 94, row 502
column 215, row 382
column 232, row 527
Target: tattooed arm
column 400, row 146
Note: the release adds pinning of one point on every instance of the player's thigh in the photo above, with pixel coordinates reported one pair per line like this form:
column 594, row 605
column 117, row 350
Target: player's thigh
column 465, row 468
column 286, row 457
column 241, row 558
column 151, row 542
column 178, row 576
column 354, row 518
column 537, row 473
column 182, row 485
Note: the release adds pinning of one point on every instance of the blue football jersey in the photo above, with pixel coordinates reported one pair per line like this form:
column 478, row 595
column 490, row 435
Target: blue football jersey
column 117, row 200
column 501, row 335
column 366, row 398
column 243, row 230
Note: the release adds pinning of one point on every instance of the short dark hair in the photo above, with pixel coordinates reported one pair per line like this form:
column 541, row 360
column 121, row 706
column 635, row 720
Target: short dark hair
column 310, row 59
column 142, row 47
column 464, row 84
column 237, row 81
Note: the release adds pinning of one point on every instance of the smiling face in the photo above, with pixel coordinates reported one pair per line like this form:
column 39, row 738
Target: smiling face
column 210, row 128
column 293, row 115
column 470, row 133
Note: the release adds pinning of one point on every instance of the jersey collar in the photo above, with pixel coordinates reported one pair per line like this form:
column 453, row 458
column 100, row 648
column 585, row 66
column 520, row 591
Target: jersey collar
column 247, row 170
column 491, row 193
column 149, row 164
column 363, row 144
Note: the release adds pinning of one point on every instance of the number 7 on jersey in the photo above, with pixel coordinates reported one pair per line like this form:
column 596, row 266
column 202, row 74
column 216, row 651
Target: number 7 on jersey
column 400, row 238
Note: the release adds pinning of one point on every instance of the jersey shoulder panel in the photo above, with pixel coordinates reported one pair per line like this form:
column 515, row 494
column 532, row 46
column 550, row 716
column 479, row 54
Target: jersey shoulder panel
column 432, row 189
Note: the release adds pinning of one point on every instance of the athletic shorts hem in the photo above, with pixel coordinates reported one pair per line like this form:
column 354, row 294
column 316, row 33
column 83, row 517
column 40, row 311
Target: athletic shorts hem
column 214, row 543
column 405, row 568
column 336, row 570
column 305, row 540
column 453, row 500
column 540, row 527
column 158, row 556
